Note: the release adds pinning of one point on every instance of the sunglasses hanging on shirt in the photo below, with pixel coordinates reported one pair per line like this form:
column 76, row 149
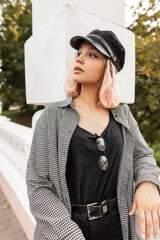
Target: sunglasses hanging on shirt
column 102, row 161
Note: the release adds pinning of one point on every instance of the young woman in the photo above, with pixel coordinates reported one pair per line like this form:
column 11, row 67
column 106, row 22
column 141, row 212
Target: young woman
column 87, row 152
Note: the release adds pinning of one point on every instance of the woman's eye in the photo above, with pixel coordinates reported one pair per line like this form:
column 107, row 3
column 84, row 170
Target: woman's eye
column 93, row 55
column 90, row 54
column 76, row 54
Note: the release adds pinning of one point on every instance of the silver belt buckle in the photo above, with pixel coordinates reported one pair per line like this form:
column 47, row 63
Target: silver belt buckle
column 104, row 209
column 88, row 211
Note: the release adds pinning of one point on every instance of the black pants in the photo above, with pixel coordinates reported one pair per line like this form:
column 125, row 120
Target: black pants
column 107, row 227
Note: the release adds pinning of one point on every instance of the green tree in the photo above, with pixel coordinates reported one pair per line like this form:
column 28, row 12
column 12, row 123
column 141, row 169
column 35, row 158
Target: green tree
column 146, row 110
column 15, row 29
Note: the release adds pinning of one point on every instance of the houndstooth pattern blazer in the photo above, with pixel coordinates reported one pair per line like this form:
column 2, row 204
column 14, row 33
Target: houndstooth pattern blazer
column 45, row 176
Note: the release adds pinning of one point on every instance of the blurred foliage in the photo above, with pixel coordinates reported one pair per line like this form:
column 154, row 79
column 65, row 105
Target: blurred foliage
column 22, row 117
column 15, row 29
column 146, row 109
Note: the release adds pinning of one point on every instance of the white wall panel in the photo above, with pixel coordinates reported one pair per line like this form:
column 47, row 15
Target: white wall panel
column 110, row 10
column 48, row 55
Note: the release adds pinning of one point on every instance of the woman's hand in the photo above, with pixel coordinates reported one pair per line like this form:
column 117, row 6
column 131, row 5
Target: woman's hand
column 147, row 200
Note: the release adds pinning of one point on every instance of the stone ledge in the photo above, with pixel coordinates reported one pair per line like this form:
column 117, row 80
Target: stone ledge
column 14, row 187
column 15, row 143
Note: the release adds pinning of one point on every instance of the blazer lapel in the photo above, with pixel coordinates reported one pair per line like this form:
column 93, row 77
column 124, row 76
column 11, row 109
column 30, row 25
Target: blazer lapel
column 67, row 125
column 120, row 117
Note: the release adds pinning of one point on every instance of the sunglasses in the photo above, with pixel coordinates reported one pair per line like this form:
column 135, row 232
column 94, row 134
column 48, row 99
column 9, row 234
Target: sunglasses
column 102, row 161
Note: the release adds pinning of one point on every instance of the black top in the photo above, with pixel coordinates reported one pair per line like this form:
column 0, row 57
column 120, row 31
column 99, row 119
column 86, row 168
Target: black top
column 87, row 183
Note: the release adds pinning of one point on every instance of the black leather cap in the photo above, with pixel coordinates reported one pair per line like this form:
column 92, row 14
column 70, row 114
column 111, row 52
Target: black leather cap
column 106, row 42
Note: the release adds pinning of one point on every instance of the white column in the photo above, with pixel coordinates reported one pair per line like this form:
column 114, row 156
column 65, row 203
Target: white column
column 48, row 54
column 110, row 10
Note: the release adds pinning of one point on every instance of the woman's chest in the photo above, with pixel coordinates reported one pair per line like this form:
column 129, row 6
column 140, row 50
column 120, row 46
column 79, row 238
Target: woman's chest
column 94, row 121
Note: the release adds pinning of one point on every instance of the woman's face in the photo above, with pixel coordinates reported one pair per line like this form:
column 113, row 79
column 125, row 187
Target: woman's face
column 91, row 61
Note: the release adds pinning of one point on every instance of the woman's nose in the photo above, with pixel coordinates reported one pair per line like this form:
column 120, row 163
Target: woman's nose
column 80, row 59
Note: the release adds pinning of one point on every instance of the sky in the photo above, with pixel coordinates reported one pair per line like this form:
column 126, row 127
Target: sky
column 129, row 11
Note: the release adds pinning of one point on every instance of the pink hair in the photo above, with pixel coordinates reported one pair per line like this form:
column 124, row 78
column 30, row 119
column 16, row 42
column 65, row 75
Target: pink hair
column 109, row 96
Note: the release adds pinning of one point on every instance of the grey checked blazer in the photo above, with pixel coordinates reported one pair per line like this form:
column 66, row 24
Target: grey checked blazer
column 45, row 176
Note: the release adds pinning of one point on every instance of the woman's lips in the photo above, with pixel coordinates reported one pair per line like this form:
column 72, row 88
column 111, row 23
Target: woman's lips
column 77, row 71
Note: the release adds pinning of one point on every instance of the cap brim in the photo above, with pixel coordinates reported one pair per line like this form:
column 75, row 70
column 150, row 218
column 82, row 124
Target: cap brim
column 76, row 41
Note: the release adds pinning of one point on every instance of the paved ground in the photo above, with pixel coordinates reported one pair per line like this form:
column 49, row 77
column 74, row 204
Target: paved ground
column 10, row 228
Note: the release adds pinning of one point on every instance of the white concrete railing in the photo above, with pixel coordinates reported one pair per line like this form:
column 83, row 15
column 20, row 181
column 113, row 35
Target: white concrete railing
column 15, row 142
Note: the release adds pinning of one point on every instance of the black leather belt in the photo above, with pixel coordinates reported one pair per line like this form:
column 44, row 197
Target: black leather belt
column 94, row 210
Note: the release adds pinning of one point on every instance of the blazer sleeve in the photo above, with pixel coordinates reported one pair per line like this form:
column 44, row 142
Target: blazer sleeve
column 52, row 217
column 144, row 164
